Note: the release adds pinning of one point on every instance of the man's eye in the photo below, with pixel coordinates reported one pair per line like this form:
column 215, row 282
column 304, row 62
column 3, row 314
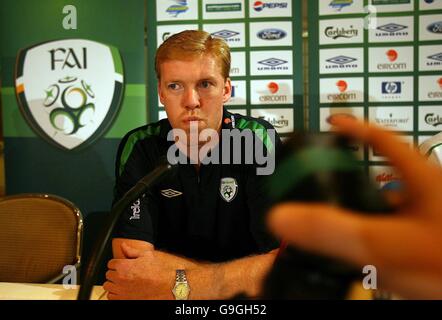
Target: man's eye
column 173, row 86
column 205, row 84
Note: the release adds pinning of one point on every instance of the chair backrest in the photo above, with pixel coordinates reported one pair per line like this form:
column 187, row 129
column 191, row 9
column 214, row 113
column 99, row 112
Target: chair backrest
column 39, row 235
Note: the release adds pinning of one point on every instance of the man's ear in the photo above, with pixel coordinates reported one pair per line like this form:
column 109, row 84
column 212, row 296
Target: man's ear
column 160, row 92
column 227, row 91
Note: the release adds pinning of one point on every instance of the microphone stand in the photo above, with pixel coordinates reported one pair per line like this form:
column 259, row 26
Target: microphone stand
column 129, row 197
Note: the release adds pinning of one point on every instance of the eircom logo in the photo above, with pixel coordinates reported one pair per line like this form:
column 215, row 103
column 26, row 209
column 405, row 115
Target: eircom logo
column 259, row 5
column 69, row 91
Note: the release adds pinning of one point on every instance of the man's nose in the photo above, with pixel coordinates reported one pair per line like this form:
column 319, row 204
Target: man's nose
column 191, row 99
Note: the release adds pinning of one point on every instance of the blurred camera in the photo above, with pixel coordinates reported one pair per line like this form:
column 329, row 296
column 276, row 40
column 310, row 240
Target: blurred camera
column 319, row 168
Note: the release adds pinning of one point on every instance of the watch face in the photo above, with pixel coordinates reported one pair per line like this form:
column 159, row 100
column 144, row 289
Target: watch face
column 182, row 290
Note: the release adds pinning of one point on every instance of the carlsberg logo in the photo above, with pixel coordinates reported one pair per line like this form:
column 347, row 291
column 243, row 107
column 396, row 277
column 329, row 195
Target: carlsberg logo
column 69, row 90
column 432, row 119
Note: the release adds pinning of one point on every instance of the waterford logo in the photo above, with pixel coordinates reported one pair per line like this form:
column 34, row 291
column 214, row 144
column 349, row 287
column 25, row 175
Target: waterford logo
column 272, row 62
column 435, row 27
column 391, row 87
column 223, row 7
column 271, row 34
column 391, row 121
column 336, row 33
column 69, row 90
column 433, row 120
column 340, row 4
column 175, row 9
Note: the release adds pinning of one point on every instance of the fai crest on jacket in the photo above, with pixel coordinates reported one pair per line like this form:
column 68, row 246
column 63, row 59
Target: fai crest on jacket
column 69, row 91
column 228, row 189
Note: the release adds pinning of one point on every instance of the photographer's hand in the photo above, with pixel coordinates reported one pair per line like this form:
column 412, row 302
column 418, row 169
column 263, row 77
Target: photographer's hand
column 406, row 248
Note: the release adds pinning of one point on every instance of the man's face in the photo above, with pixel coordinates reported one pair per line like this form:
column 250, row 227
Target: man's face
column 193, row 90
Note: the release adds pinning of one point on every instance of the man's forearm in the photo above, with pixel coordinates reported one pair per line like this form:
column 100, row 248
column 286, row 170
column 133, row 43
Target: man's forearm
column 141, row 272
column 227, row 279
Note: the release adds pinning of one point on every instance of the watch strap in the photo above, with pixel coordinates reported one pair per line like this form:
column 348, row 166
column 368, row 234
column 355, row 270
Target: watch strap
column 180, row 276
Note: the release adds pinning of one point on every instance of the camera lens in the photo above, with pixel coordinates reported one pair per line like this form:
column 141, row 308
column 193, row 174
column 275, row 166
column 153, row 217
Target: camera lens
column 319, row 168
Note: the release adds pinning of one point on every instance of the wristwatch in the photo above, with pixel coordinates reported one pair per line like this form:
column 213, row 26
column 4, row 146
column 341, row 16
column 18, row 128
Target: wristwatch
column 181, row 289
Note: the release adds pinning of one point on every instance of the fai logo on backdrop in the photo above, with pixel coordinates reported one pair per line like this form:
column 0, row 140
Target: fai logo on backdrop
column 69, row 91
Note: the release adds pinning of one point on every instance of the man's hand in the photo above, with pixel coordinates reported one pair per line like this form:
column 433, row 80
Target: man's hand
column 150, row 274
column 405, row 247
column 144, row 274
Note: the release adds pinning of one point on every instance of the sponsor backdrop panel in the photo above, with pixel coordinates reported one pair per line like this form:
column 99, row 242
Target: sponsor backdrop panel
column 73, row 83
column 379, row 60
column 265, row 38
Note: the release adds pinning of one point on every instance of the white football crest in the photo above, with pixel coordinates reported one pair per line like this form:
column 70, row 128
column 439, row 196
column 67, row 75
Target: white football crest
column 228, row 189
column 69, row 91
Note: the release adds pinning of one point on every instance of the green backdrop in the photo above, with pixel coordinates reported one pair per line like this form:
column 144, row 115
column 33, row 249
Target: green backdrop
column 85, row 177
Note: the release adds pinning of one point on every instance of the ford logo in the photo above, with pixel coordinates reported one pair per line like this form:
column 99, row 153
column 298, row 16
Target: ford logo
column 435, row 27
column 271, row 34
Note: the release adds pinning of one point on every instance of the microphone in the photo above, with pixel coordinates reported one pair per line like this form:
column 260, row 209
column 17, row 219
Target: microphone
column 99, row 248
column 318, row 168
